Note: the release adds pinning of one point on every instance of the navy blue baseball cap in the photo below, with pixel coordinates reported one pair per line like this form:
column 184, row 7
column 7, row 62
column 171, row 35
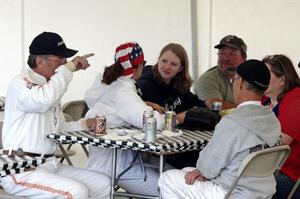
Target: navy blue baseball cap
column 255, row 72
column 50, row 43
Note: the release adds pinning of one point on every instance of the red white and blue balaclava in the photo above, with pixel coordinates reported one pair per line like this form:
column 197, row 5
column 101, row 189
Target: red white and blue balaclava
column 128, row 55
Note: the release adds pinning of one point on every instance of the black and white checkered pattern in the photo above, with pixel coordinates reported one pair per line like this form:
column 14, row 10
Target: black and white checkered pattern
column 188, row 141
column 16, row 164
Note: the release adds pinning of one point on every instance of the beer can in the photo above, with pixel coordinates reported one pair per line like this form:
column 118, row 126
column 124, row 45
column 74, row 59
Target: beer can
column 147, row 114
column 100, row 125
column 150, row 129
column 216, row 107
column 170, row 121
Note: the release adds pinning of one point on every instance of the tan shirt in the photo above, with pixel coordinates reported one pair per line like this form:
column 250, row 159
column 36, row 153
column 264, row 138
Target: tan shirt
column 213, row 84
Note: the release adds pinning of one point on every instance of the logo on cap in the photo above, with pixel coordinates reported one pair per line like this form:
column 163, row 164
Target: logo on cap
column 60, row 43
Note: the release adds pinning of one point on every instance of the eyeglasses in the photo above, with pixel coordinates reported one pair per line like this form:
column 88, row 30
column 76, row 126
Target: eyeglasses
column 144, row 63
column 228, row 53
column 276, row 64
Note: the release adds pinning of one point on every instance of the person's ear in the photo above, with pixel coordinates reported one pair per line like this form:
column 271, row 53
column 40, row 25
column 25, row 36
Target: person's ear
column 242, row 84
column 282, row 80
column 40, row 61
column 181, row 69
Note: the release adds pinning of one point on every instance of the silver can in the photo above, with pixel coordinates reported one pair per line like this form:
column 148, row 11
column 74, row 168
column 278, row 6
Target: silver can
column 100, row 125
column 216, row 107
column 150, row 129
column 147, row 114
column 170, row 121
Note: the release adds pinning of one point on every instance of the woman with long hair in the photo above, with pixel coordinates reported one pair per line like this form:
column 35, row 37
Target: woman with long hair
column 283, row 95
column 114, row 95
column 165, row 86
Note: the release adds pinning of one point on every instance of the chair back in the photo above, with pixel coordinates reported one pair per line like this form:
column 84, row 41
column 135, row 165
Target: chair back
column 261, row 163
column 1, row 124
column 76, row 109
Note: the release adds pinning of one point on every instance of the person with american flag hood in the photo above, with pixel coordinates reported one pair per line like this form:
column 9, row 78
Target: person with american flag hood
column 114, row 94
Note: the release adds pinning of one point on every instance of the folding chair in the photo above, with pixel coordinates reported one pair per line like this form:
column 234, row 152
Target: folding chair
column 294, row 189
column 76, row 109
column 73, row 111
column 261, row 163
column 1, row 124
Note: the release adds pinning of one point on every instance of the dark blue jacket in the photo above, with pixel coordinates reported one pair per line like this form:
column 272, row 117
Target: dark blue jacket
column 154, row 90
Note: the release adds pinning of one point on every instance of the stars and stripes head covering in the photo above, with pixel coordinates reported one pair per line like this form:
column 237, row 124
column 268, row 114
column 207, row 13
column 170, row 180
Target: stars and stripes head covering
column 128, row 55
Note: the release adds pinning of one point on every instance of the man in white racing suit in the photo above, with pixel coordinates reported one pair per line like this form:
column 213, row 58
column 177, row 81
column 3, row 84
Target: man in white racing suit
column 32, row 111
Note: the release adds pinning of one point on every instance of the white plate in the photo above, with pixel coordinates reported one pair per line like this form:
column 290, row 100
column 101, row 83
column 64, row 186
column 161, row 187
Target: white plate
column 123, row 132
column 141, row 136
column 171, row 133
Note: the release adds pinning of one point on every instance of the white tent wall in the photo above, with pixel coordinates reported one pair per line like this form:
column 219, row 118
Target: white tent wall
column 93, row 26
column 10, row 41
column 266, row 26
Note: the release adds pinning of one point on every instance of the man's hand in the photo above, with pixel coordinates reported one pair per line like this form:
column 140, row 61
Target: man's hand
column 192, row 176
column 210, row 101
column 180, row 117
column 225, row 105
column 81, row 62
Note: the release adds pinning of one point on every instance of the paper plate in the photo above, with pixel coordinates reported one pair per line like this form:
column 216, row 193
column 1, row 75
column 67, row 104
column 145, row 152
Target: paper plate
column 141, row 136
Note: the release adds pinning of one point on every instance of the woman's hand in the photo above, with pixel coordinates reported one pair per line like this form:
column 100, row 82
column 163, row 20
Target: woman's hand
column 192, row 176
column 156, row 107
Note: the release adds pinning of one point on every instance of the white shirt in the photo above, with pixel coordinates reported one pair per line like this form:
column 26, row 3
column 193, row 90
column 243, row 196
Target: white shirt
column 250, row 102
column 32, row 111
column 122, row 106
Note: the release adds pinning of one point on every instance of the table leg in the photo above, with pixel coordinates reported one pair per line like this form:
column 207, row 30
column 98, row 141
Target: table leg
column 85, row 150
column 113, row 173
column 161, row 169
column 65, row 154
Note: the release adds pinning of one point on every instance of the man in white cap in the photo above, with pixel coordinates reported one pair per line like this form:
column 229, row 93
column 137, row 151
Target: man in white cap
column 249, row 128
column 32, row 111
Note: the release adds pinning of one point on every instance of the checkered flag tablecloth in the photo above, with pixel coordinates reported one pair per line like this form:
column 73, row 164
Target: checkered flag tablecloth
column 188, row 141
column 16, row 164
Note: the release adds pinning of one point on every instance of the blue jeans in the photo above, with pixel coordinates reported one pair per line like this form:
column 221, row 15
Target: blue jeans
column 284, row 186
